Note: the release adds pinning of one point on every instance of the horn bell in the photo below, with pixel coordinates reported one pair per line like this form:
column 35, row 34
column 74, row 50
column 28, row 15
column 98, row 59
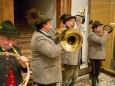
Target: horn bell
column 71, row 40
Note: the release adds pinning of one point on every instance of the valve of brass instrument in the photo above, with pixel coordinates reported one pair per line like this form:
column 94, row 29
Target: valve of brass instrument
column 58, row 31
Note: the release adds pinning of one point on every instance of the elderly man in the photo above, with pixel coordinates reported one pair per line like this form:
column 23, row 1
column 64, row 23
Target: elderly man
column 10, row 67
column 70, row 59
column 46, row 60
column 97, row 49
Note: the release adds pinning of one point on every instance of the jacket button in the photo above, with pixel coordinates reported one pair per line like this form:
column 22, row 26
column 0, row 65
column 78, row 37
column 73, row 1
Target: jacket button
column 7, row 67
column 12, row 81
column 6, row 75
column 4, row 84
column 7, row 58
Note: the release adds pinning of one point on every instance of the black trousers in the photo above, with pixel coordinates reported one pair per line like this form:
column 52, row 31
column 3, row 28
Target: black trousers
column 53, row 84
column 96, row 67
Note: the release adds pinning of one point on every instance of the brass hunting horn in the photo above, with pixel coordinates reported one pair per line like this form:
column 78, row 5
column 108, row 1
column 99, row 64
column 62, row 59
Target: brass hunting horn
column 71, row 40
column 16, row 54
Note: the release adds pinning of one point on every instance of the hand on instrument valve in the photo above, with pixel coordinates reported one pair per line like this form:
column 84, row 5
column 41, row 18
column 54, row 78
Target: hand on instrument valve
column 22, row 60
column 59, row 31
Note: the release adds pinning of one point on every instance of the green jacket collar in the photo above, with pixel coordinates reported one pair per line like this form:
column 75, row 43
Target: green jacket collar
column 1, row 50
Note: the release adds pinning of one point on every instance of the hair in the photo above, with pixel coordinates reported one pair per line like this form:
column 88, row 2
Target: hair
column 63, row 17
column 90, row 23
column 38, row 27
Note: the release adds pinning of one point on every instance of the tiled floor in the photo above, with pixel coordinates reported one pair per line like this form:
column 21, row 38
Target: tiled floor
column 104, row 80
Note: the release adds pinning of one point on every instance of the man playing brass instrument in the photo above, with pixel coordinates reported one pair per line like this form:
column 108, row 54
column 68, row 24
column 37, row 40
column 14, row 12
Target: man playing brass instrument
column 97, row 49
column 10, row 67
column 70, row 59
column 46, row 59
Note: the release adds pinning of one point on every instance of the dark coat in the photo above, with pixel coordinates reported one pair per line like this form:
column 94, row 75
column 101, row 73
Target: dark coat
column 5, row 63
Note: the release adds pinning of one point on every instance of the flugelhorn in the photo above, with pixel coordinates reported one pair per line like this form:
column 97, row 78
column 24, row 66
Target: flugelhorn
column 109, row 28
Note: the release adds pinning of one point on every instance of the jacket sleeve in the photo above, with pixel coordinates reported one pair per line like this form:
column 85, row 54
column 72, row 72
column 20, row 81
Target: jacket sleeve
column 19, row 65
column 98, row 39
column 47, row 47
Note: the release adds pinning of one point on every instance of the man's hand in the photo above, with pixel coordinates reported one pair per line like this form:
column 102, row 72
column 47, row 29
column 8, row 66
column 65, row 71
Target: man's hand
column 22, row 60
column 106, row 32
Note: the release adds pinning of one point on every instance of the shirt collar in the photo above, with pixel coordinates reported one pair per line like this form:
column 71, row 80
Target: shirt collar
column 44, row 32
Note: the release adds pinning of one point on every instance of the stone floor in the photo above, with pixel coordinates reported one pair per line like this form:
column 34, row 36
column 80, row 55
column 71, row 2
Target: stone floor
column 104, row 80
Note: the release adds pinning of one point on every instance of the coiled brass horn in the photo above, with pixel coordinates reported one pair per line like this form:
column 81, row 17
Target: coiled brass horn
column 25, row 81
column 71, row 40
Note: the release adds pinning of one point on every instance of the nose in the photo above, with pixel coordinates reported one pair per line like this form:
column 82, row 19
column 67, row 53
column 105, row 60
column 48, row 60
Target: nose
column 11, row 42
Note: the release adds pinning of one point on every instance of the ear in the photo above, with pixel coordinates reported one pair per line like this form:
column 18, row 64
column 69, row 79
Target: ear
column 44, row 25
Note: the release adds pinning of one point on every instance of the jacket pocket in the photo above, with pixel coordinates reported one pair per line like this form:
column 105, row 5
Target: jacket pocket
column 50, row 66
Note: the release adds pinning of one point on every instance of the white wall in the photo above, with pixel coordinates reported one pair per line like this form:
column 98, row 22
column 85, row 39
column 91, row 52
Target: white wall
column 78, row 5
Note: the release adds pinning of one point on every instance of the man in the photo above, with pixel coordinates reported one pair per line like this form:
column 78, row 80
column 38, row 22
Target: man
column 46, row 60
column 70, row 59
column 97, row 49
column 10, row 67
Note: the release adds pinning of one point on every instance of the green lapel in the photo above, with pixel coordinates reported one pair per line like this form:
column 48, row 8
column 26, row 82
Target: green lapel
column 1, row 50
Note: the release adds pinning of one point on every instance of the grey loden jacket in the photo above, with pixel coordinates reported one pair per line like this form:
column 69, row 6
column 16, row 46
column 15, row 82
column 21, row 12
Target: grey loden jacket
column 46, row 59
column 97, row 46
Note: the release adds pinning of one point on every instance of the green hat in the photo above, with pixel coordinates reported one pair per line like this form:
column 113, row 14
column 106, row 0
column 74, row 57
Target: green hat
column 96, row 24
column 43, row 18
column 35, row 17
column 66, row 17
column 8, row 29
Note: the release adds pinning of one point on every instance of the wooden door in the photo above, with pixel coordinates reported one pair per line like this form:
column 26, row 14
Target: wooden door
column 6, row 10
column 103, row 10
column 63, row 6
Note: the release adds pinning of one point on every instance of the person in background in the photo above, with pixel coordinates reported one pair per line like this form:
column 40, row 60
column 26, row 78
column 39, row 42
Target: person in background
column 79, row 22
column 10, row 66
column 97, row 49
column 46, row 59
column 80, row 28
column 70, row 59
